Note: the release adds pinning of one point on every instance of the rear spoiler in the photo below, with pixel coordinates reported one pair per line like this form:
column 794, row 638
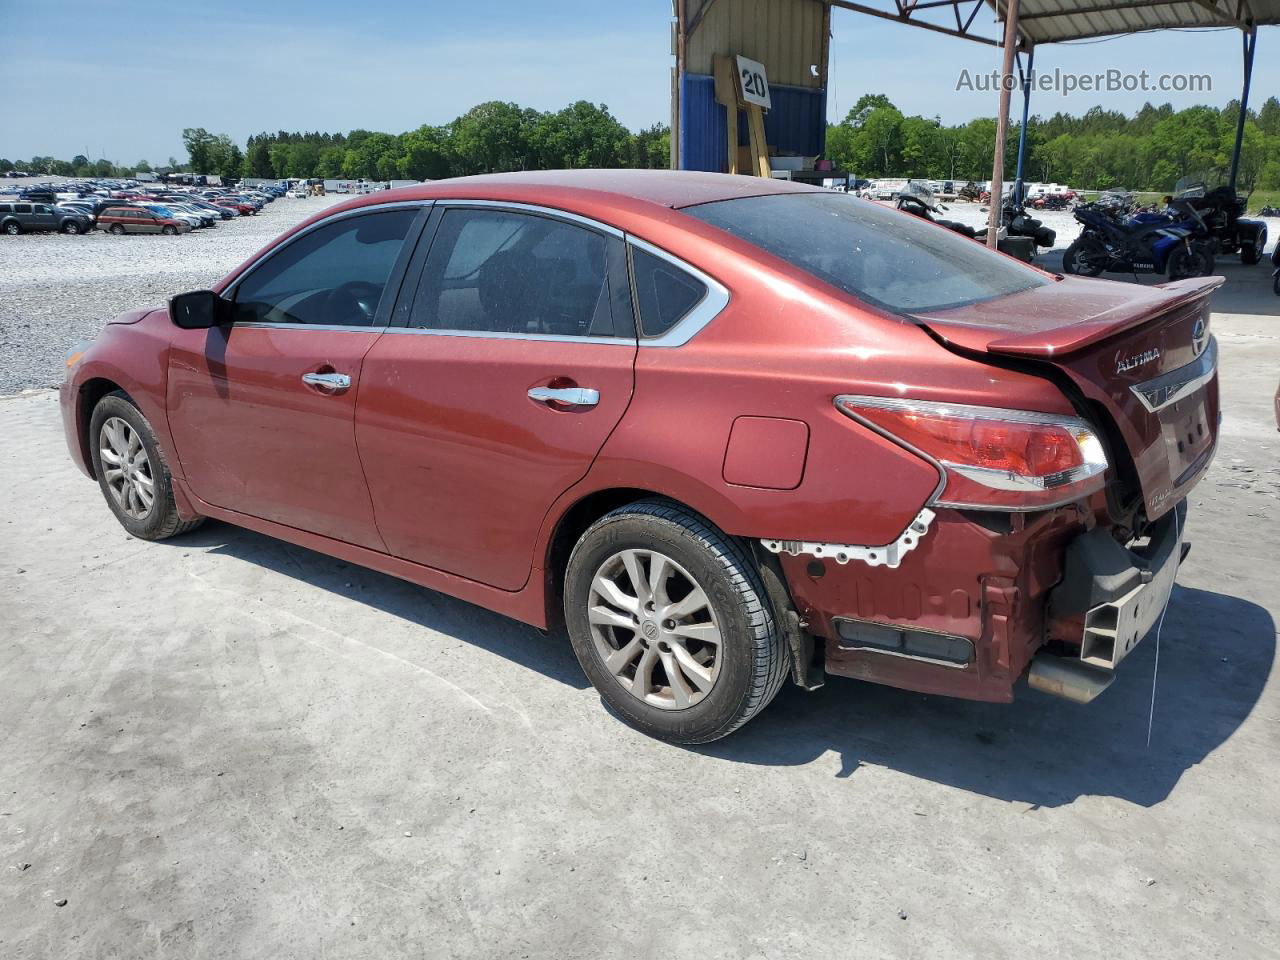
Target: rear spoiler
column 1122, row 317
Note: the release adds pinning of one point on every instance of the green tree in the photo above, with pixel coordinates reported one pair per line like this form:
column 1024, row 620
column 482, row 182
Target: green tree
column 199, row 143
column 494, row 136
column 425, row 154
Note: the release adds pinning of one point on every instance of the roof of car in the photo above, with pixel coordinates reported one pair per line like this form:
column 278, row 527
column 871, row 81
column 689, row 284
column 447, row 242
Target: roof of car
column 666, row 188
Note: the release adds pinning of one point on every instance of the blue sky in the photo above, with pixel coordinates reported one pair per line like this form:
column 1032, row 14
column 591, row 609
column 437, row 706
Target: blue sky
column 395, row 64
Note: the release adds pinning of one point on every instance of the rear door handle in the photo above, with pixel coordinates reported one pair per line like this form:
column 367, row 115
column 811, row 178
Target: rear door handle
column 569, row 396
column 335, row 382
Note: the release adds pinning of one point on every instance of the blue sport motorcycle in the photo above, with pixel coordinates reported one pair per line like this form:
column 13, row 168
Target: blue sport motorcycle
column 1176, row 244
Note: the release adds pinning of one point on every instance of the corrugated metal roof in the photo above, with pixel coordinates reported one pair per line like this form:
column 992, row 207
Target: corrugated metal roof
column 1055, row 21
column 784, row 35
column 1058, row 21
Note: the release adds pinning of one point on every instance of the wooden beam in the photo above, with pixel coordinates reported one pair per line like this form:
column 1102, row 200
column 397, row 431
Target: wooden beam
column 996, row 214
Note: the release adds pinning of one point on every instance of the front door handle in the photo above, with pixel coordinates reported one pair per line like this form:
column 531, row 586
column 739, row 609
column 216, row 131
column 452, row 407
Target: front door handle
column 568, row 396
column 330, row 382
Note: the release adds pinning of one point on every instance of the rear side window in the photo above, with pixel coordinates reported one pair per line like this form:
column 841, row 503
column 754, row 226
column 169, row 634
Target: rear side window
column 333, row 275
column 22, row 208
column 4, row 208
column 891, row 259
column 665, row 293
column 497, row 271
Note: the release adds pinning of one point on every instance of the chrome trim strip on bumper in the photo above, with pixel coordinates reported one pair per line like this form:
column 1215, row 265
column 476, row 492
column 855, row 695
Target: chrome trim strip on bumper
column 1169, row 388
column 889, row 555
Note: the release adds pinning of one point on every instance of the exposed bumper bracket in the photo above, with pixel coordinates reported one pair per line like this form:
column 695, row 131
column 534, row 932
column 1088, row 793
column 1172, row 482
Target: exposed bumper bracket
column 889, row 555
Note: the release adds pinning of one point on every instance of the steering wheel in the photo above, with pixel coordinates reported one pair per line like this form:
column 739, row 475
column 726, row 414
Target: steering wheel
column 353, row 303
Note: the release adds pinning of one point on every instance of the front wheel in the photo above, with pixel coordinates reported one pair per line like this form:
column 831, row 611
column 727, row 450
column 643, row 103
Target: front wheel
column 1196, row 261
column 1275, row 283
column 132, row 472
column 71, row 227
column 1085, row 257
column 169, row 230
column 13, row 228
column 670, row 622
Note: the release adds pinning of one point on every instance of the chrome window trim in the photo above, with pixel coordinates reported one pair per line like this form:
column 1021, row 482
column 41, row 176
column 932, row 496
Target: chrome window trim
column 1169, row 388
column 499, row 335
column 535, row 209
column 704, row 311
column 331, row 327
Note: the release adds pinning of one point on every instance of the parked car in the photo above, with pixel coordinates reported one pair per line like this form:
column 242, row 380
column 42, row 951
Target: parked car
column 240, row 206
column 139, row 219
column 21, row 217
column 728, row 432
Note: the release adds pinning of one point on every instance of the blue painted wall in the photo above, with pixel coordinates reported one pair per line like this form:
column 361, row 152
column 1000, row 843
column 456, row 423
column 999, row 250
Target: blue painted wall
column 797, row 123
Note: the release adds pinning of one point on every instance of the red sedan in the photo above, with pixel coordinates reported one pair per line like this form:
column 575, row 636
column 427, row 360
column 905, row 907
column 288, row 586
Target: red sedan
column 727, row 430
column 238, row 205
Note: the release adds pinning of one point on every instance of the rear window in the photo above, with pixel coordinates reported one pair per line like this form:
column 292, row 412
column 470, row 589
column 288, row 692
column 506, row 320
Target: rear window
column 887, row 258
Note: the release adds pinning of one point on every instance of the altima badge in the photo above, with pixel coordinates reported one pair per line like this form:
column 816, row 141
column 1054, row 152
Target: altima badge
column 1125, row 364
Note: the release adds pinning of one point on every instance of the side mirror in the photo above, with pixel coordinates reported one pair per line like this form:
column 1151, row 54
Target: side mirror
column 199, row 310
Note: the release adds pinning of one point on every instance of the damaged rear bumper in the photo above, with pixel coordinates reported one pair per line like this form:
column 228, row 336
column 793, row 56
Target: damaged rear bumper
column 985, row 599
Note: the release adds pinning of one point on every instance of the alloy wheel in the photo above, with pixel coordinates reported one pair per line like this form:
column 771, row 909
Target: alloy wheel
column 654, row 628
column 126, row 468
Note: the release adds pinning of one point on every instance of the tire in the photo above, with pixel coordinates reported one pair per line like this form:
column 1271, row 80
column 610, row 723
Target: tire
column 158, row 519
column 168, row 230
column 71, row 228
column 13, row 228
column 1196, row 262
column 740, row 673
column 1251, row 254
column 1084, row 258
column 118, row 229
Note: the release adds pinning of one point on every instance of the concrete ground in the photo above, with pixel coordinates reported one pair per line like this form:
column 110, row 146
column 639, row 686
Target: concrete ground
column 227, row 747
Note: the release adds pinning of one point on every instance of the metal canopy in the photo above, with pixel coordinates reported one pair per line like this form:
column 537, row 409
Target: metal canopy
column 1059, row 21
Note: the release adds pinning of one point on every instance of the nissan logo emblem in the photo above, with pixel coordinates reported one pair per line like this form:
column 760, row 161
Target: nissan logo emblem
column 1198, row 336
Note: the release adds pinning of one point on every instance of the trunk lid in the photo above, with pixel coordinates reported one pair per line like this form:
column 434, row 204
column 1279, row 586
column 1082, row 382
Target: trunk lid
column 1143, row 356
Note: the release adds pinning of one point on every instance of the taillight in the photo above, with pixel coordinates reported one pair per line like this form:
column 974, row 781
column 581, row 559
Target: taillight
column 992, row 458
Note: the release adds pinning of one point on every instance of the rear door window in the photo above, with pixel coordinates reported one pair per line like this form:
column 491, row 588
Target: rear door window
column 333, row 275
column 505, row 272
column 882, row 256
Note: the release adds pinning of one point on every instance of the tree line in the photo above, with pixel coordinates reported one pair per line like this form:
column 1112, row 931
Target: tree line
column 1102, row 149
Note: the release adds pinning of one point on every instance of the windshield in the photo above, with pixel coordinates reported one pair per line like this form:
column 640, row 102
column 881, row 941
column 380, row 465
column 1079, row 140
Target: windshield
column 893, row 260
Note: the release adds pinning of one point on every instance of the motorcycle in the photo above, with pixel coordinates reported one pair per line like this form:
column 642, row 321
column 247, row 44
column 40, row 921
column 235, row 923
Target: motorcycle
column 1022, row 234
column 1269, row 211
column 1275, row 276
column 1178, row 245
column 1223, row 213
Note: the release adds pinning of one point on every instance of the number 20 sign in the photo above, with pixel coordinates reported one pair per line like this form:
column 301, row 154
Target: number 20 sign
column 755, row 85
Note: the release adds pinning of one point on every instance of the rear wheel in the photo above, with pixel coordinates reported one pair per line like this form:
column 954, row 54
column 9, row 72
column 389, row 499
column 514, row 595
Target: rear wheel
column 117, row 229
column 1085, row 257
column 1251, row 253
column 669, row 620
column 132, row 472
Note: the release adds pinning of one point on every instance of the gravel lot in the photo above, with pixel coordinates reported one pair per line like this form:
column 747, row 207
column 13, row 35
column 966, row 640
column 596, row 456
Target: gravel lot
column 56, row 289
